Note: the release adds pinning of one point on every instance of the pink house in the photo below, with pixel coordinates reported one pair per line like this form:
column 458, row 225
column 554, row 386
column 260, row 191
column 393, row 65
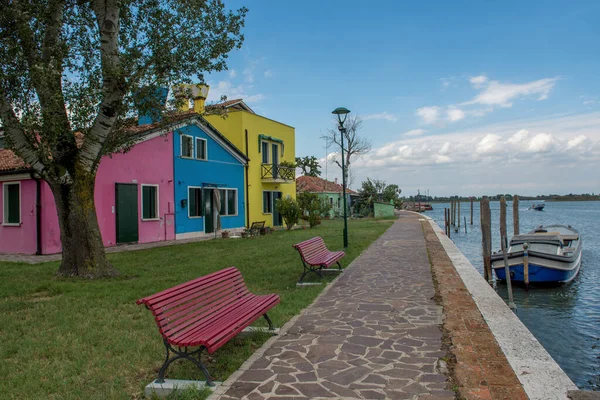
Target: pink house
column 134, row 199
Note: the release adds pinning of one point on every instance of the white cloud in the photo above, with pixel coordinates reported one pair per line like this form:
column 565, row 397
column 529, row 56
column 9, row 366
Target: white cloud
column 518, row 137
column 384, row 115
column 576, row 141
column 430, row 115
column 503, row 94
column 232, row 73
column 249, row 75
column 226, row 88
column 454, row 114
column 478, row 81
column 518, row 156
column 268, row 73
column 541, row 143
column 490, row 144
column 414, row 132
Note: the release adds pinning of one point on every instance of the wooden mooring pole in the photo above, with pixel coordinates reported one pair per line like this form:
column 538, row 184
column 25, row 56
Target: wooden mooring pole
column 471, row 210
column 516, row 214
column 465, row 224
column 447, row 212
column 503, row 245
column 458, row 205
column 486, row 237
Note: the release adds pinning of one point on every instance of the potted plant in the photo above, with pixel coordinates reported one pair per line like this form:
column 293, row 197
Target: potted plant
column 225, row 234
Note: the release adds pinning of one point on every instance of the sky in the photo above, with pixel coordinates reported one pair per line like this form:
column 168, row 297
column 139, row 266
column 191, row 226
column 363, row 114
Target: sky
column 457, row 97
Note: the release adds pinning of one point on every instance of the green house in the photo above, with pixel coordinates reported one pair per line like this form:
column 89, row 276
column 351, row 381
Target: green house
column 331, row 192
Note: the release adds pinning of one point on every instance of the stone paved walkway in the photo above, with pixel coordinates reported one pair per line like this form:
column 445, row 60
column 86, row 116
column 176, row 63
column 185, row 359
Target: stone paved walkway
column 374, row 334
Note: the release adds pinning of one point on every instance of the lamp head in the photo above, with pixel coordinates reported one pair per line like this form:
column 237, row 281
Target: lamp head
column 341, row 113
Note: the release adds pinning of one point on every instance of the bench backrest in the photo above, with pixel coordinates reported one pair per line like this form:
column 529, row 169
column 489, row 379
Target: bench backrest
column 258, row 225
column 196, row 302
column 312, row 250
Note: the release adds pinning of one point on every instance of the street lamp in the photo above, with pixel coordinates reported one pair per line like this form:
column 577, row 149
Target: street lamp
column 342, row 113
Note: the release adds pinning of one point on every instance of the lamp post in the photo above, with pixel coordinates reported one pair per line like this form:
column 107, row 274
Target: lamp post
column 342, row 113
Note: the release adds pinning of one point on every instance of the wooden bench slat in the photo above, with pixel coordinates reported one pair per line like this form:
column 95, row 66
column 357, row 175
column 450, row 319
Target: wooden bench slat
column 207, row 319
column 199, row 299
column 168, row 296
column 223, row 327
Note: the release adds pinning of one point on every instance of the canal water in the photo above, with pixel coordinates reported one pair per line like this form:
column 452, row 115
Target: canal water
column 566, row 318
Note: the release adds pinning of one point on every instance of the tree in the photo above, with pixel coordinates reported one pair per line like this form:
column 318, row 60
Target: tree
column 354, row 145
column 309, row 165
column 72, row 67
column 377, row 190
column 289, row 210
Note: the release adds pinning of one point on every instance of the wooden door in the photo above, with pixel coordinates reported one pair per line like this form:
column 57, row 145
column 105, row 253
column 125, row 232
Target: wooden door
column 126, row 211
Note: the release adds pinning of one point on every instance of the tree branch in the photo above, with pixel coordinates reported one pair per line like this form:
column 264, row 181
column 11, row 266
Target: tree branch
column 113, row 87
column 16, row 135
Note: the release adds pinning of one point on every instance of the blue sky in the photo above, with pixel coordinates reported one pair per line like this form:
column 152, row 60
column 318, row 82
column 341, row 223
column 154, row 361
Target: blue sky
column 457, row 97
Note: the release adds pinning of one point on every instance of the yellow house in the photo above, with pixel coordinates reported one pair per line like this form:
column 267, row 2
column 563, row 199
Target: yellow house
column 269, row 145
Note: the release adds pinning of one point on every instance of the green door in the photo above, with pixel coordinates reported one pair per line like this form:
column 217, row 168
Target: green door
column 277, row 220
column 209, row 217
column 126, row 212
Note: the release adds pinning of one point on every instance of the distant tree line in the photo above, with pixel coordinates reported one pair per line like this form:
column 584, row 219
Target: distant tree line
column 509, row 197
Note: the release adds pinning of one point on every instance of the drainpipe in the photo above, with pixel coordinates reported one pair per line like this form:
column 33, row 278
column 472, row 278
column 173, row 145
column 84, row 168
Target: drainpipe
column 247, row 196
column 38, row 215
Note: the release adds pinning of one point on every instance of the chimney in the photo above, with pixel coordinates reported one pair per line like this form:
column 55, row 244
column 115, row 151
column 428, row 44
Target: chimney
column 195, row 95
column 336, row 181
column 150, row 104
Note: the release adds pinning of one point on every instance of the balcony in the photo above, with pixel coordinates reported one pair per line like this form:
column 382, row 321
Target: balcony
column 277, row 173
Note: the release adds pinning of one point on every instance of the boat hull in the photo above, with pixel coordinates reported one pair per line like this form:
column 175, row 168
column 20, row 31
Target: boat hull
column 537, row 273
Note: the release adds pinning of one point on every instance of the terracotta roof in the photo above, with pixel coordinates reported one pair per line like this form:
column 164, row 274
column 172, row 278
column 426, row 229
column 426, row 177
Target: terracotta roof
column 230, row 104
column 314, row 184
column 10, row 162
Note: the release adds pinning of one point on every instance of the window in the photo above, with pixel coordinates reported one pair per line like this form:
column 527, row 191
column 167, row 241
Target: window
column 12, row 203
column 200, row 149
column 228, row 202
column 265, row 152
column 149, row 202
column 331, row 201
column 339, row 203
column 267, row 202
column 195, row 202
column 187, row 146
column 232, row 202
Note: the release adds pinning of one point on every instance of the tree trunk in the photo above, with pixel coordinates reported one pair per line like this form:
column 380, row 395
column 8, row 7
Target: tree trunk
column 82, row 248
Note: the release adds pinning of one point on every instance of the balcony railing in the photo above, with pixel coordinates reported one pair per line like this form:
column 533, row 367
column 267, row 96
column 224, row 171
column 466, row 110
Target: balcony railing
column 278, row 173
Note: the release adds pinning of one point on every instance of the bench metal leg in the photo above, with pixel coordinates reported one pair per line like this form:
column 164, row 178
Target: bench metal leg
column 339, row 266
column 308, row 269
column 271, row 327
column 188, row 355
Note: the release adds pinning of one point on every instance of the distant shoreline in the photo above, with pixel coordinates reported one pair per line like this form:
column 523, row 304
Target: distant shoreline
column 465, row 199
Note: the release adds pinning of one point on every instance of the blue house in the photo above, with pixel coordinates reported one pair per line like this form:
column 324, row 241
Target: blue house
column 209, row 176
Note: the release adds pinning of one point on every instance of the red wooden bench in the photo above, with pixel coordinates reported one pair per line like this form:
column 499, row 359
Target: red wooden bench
column 316, row 257
column 205, row 313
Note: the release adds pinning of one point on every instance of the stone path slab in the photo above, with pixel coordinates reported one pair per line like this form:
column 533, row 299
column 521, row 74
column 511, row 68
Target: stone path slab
column 374, row 334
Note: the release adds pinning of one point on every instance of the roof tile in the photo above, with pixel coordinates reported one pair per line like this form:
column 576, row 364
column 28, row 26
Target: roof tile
column 315, row 184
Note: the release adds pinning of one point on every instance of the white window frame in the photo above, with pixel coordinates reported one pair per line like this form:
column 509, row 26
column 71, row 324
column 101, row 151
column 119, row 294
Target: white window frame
column 5, row 205
column 263, row 205
column 188, row 200
column 227, row 204
column 196, row 149
column 157, row 201
column 181, row 147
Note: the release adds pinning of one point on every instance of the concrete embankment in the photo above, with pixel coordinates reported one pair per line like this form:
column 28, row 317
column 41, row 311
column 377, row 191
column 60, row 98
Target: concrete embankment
column 494, row 354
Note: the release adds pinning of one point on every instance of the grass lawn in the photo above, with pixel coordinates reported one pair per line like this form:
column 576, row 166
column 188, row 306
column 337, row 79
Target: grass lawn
column 74, row 339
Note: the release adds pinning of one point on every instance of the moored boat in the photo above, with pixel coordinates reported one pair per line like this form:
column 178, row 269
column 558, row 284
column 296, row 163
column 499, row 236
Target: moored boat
column 554, row 255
